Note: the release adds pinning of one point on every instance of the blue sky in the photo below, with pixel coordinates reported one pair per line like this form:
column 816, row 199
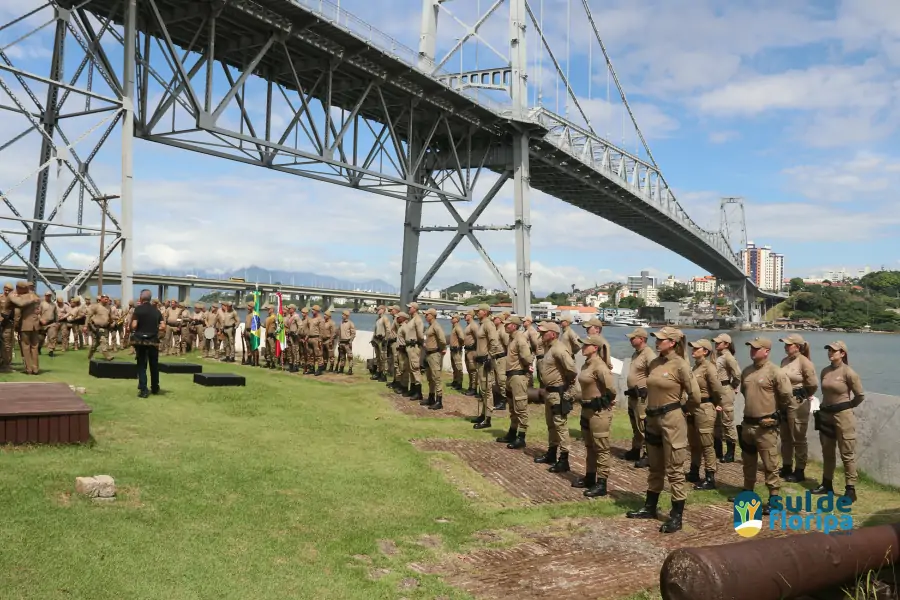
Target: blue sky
column 792, row 105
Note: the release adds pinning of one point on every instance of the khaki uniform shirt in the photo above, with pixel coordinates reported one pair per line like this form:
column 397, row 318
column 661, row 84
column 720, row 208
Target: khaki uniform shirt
column 348, row 331
column 304, row 327
column 435, row 338
column 535, row 341
column 708, row 382
column 727, row 368
column 837, row 383
column 558, row 366
column 227, row 319
column 595, row 379
column 29, row 306
column 801, row 373
column 487, row 341
column 48, row 313
column 639, row 369
column 457, row 335
column 518, row 354
column 62, row 313
column 381, row 327
column 271, row 324
column 293, row 324
column 670, row 380
column 99, row 315
column 172, row 314
column 469, row 335
column 766, row 389
column 504, row 337
column 327, row 330
column 418, row 329
column 401, row 334
column 391, row 333
column 212, row 319
column 315, row 326
column 570, row 340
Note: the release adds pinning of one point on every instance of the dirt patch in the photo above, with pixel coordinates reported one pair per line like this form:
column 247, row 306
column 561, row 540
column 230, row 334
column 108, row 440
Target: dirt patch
column 516, row 472
column 599, row 558
column 64, row 499
column 387, row 547
column 455, row 406
column 376, row 574
column 430, row 541
column 363, row 558
column 409, row 583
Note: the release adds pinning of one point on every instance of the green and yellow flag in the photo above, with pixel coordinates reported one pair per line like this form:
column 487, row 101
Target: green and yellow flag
column 255, row 324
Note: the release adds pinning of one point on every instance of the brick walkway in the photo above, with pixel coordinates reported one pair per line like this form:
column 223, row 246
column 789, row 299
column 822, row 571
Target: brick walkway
column 516, row 472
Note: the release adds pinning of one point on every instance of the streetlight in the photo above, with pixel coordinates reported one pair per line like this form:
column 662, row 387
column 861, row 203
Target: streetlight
column 102, row 201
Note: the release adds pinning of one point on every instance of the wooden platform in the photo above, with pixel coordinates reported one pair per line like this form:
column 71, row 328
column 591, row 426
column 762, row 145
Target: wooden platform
column 42, row 413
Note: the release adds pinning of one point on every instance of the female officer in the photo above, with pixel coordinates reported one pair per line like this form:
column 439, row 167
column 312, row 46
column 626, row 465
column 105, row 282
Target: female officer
column 795, row 421
column 702, row 417
column 669, row 381
column 835, row 421
column 598, row 392
column 730, row 379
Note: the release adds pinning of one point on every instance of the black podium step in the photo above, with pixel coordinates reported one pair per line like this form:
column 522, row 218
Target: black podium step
column 180, row 368
column 219, row 379
column 106, row 369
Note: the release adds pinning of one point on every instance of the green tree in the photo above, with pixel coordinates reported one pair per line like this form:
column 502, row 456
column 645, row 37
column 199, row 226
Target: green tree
column 631, row 302
column 796, row 285
column 557, row 298
column 674, row 293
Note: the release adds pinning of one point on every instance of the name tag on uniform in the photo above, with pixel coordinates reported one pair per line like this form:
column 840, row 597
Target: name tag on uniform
column 666, row 374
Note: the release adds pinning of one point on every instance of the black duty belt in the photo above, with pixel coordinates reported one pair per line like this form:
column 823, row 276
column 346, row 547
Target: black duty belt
column 470, row 347
column 454, row 349
column 555, row 389
column 427, row 351
column 498, row 355
column 705, row 400
column 657, row 412
column 836, row 408
column 229, row 327
column 800, row 393
column 540, row 356
column 312, row 337
column 756, row 420
column 481, row 359
column 636, row 392
column 346, row 341
column 725, row 382
column 515, row 372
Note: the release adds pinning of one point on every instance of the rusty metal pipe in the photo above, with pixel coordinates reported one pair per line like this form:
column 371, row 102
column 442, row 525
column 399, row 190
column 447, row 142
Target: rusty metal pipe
column 777, row 568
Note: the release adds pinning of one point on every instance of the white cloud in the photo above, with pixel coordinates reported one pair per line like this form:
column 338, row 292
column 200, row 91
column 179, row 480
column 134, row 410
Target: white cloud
column 720, row 137
column 866, row 176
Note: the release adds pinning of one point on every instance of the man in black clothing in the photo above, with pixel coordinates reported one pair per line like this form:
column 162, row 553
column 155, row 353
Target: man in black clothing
column 145, row 328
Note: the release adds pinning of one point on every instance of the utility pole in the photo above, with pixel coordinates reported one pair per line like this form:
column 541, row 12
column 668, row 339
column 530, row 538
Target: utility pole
column 102, row 201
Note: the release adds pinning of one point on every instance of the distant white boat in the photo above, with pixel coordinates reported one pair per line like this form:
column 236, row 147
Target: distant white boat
column 628, row 322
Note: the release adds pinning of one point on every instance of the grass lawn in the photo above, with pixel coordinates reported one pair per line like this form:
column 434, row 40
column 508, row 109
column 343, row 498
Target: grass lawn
column 290, row 487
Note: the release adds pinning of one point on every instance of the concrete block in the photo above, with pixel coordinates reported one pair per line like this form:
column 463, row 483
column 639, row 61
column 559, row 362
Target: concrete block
column 98, row 486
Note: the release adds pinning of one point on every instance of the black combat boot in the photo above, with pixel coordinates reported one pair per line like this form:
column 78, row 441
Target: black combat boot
column 674, row 522
column 519, row 442
column 826, row 487
column 588, row 481
column 717, row 446
column 478, row 419
column 418, row 392
column 438, row 403
column 598, row 490
column 484, row 424
column 375, row 375
column 642, row 462
column 693, row 475
column 648, row 511
column 633, row 454
column 562, row 465
column 798, row 476
column 428, row 401
column 786, row 470
column 549, row 458
column 382, row 377
column 709, row 483
column 768, row 506
column 407, row 391
column 50, row 354
column 320, row 370
column 850, row 492
column 728, row 457
column 509, row 437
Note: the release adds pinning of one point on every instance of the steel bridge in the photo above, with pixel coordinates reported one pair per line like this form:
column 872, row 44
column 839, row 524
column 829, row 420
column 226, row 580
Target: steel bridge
column 365, row 112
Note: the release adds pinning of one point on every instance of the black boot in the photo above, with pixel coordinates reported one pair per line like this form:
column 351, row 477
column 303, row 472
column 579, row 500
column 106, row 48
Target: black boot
column 709, row 483
column 519, row 442
column 798, row 476
column 471, row 390
column 501, row 406
column 375, row 376
column 408, row 392
column 562, row 465
column 642, row 463
column 508, row 438
column 729, row 452
column 438, row 404
column 648, row 511
column 850, row 492
column 674, row 522
column 826, row 487
column 549, row 458
column 417, row 393
column 768, row 506
column 693, row 476
column 786, row 470
column 588, row 481
column 382, row 377
column 484, row 424
column 597, row 490
column 717, row 446
column 633, row 454
column 428, row 401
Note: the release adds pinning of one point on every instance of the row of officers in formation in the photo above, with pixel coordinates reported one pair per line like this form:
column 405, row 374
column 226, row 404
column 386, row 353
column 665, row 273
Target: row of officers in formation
column 681, row 407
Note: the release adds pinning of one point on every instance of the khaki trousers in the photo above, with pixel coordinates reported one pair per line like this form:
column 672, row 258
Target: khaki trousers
column 666, row 437
column 794, row 447
column 517, row 398
column 760, row 444
column 328, row 352
column 52, row 336
column 725, row 428
column 229, row 342
column 837, row 431
column 402, row 373
column 345, row 355
column 434, row 362
column 100, row 335
column 380, row 357
column 29, row 341
column 485, row 389
column 414, row 364
column 637, row 414
column 595, row 428
column 557, row 423
column 314, row 352
column 456, row 363
column 700, row 436
column 471, row 368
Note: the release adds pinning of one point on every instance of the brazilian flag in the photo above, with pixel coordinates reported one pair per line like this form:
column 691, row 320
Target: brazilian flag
column 255, row 324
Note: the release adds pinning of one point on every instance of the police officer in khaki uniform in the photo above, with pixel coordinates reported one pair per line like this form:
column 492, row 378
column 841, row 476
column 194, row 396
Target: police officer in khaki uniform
column 842, row 391
column 329, row 333
column 702, row 417
column 47, row 317
column 303, row 339
column 598, row 398
column 595, row 327
column 568, row 337
column 6, row 329
column 457, row 336
column 402, row 374
column 487, row 345
column 559, row 375
column 500, row 362
column 314, row 343
column 730, row 379
column 346, row 335
column 227, row 322
column 212, row 319
column 470, row 345
column 537, row 346
column 795, row 420
column 292, row 330
column 77, row 317
column 636, row 392
column 767, row 391
column 666, row 431
column 57, row 327
column 435, row 346
column 99, row 318
column 380, row 344
column 519, row 361
column 270, row 325
column 392, row 359
column 29, row 325
column 415, row 338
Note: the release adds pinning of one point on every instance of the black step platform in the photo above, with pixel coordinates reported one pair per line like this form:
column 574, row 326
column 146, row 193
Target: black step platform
column 116, row 369
column 219, row 379
column 180, row 368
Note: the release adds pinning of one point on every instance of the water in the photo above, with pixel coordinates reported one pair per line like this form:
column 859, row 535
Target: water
column 872, row 355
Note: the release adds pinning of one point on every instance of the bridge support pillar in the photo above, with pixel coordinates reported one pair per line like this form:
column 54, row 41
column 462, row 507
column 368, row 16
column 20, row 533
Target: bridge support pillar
column 522, row 207
column 327, row 302
column 411, row 225
column 184, row 293
column 128, row 84
column 302, row 300
column 356, row 305
column 161, row 292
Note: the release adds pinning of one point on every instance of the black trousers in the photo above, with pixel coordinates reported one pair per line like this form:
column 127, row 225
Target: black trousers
column 147, row 355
